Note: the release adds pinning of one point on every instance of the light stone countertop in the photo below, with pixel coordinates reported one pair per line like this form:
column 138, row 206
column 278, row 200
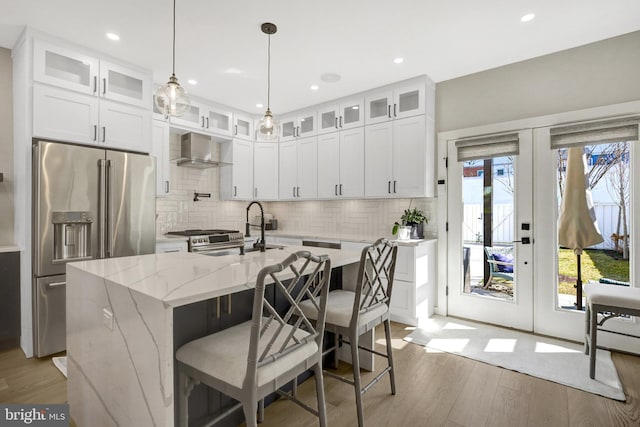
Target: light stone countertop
column 161, row 238
column 9, row 249
column 344, row 237
column 181, row 278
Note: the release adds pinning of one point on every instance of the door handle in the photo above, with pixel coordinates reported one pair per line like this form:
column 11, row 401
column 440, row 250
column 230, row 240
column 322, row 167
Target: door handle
column 236, row 130
column 394, row 186
column 95, row 132
column 389, row 110
column 218, row 307
column 394, row 110
column 102, row 209
column 336, row 190
column 294, row 191
column 524, row 241
column 389, row 187
column 95, row 84
column 104, row 133
column 235, row 191
column 207, row 122
column 109, row 227
column 298, row 191
column 229, row 304
column 255, row 192
column 166, row 187
column 341, row 189
column 104, row 86
column 54, row 284
column 340, row 121
column 202, row 125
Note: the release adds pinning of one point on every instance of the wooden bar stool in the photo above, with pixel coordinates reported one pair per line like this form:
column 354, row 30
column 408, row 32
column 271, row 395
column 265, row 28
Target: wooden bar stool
column 612, row 301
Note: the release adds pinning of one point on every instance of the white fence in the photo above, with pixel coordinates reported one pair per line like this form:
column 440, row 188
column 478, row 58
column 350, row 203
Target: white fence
column 503, row 228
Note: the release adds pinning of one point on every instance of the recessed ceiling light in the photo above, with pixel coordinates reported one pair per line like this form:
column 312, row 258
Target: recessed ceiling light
column 259, row 105
column 330, row 77
column 528, row 17
column 355, row 107
column 192, row 82
column 314, row 87
column 113, row 36
column 398, row 60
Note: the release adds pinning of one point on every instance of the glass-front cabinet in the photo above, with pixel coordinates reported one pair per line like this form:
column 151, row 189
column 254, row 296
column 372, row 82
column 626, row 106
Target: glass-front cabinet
column 65, row 68
column 121, row 84
column 348, row 114
column 298, row 125
column 194, row 117
column 405, row 100
column 219, row 121
column 243, row 127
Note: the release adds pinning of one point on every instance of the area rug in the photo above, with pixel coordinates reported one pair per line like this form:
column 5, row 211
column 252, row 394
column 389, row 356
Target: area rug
column 547, row 358
column 61, row 364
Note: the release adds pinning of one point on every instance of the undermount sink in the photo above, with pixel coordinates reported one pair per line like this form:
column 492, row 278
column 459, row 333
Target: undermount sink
column 267, row 247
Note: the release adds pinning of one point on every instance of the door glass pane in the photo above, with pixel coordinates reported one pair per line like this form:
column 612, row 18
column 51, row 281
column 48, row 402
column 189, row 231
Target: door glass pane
column 219, row 121
column 409, row 101
column 125, row 85
column 608, row 178
column 328, row 120
column 244, row 127
column 378, row 108
column 306, row 124
column 287, row 129
column 488, row 228
column 68, row 69
column 351, row 114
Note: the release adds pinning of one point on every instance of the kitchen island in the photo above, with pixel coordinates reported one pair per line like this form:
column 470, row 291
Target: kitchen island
column 127, row 316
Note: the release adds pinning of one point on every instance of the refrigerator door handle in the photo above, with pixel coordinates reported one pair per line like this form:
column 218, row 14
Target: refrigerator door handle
column 102, row 207
column 109, row 217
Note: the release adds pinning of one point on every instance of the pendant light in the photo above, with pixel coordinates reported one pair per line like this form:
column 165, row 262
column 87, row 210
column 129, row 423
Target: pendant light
column 268, row 126
column 171, row 98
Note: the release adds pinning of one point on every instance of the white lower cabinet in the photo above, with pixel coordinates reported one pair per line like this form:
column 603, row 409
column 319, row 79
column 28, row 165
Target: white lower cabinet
column 414, row 287
column 236, row 178
column 265, row 171
column 69, row 116
column 341, row 164
column 164, row 247
column 160, row 150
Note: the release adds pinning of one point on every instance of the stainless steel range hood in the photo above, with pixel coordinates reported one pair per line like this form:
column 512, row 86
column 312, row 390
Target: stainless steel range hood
column 198, row 151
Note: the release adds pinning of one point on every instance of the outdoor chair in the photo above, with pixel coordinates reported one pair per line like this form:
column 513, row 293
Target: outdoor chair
column 352, row 314
column 500, row 259
column 609, row 301
column 249, row 361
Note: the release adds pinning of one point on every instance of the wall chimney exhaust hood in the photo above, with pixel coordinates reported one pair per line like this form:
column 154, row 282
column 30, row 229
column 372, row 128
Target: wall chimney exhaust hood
column 198, row 151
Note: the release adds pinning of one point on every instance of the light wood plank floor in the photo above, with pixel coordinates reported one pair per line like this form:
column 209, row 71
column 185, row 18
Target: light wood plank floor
column 434, row 389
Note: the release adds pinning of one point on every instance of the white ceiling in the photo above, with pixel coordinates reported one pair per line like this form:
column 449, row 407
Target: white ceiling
column 357, row 39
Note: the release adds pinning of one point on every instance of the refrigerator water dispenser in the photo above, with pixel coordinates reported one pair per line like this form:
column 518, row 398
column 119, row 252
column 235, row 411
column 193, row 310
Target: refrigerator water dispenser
column 71, row 235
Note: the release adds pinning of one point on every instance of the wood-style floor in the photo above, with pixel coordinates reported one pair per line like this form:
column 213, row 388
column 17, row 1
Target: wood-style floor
column 434, row 389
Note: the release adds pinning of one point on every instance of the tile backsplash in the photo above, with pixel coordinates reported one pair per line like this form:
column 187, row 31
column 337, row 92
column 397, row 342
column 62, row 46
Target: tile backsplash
column 178, row 211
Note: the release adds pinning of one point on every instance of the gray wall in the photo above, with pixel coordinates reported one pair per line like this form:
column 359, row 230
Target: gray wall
column 601, row 73
column 6, row 148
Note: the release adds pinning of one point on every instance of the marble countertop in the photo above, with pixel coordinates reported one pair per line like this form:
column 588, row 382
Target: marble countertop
column 344, row 237
column 181, row 278
column 9, row 249
column 160, row 238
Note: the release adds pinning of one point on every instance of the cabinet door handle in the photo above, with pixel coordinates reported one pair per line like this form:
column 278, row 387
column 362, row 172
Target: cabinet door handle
column 95, row 84
column 235, row 191
column 104, row 86
column 336, row 123
column 389, row 187
column 340, row 121
column 166, row 187
column 341, row 189
column 298, row 130
column 95, row 132
column 298, row 191
column 171, row 251
column 218, row 307
column 336, row 189
column 389, row 110
column 202, row 125
column 229, row 304
column 104, row 133
column 207, row 122
column 294, row 191
column 236, row 130
column 394, row 186
column 395, row 114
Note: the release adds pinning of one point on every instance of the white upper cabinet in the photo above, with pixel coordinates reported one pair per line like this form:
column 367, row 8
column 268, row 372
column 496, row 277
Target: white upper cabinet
column 265, row 170
column 194, row 117
column 160, row 139
column 299, row 169
column 219, row 121
column 404, row 100
column 396, row 159
column 121, row 84
column 125, row 127
column 236, row 178
column 341, row 164
column 349, row 113
column 63, row 67
column 205, row 119
column 243, row 127
column 299, row 125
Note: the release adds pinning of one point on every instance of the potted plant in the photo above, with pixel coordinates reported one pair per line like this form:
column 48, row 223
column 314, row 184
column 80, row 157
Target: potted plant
column 414, row 218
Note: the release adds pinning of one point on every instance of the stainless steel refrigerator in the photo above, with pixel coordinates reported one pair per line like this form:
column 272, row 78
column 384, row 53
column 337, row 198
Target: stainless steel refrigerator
column 88, row 203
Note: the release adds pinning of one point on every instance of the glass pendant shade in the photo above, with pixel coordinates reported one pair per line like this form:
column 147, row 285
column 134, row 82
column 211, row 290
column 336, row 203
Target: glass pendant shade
column 268, row 127
column 171, row 98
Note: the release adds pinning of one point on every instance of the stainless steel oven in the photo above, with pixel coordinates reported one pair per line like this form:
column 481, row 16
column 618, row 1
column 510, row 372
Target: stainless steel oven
column 213, row 242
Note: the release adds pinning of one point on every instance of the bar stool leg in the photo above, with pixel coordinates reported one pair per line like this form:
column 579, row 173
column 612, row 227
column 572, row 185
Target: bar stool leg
column 392, row 374
column 355, row 363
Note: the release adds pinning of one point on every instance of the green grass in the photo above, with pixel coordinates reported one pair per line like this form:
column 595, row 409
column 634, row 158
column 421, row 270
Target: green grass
column 595, row 264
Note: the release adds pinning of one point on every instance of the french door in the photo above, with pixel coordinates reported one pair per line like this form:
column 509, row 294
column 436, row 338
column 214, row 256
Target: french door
column 490, row 237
